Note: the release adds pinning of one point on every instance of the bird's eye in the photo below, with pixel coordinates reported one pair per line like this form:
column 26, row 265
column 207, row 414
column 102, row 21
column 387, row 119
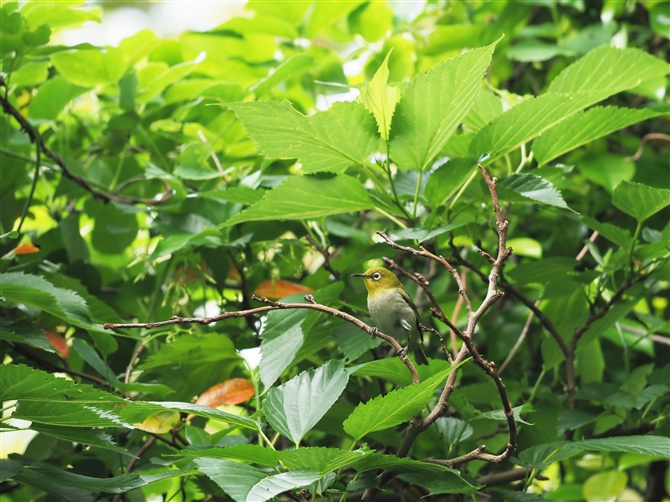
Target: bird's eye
column 376, row 276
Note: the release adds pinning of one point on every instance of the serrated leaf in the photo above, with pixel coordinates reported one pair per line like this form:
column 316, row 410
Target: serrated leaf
column 529, row 119
column 640, row 201
column 46, row 399
column 610, row 70
column 619, row 236
column 249, row 484
column 36, row 291
column 306, row 197
column 282, row 338
column 381, row 98
column 541, row 456
column 394, row 408
column 433, row 105
column 331, row 141
column 521, row 187
column 247, row 453
column 585, row 127
column 500, row 414
column 541, row 271
column 295, row 407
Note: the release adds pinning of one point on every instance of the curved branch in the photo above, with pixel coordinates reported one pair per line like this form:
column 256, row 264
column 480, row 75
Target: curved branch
column 36, row 137
column 271, row 305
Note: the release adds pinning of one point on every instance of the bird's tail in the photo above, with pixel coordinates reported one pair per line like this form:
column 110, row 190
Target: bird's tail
column 417, row 351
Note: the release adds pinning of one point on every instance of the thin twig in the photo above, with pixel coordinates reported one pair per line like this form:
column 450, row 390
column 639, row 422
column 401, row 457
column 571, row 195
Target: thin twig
column 272, row 305
column 36, row 175
column 492, row 295
column 36, row 137
column 456, row 312
column 645, row 138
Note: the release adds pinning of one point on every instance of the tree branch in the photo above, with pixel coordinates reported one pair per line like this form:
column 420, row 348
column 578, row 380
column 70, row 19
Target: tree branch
column 271, row 305
column 36, row 137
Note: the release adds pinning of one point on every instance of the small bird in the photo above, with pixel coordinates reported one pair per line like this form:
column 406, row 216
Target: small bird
column 392, row 310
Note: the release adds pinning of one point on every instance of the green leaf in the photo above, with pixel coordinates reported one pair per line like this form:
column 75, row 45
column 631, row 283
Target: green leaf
column 307, row 197
column 193, row 363
column 8, row 468
column 52, row 97
column 500, row 414
column 333, row 140
column 12, row 234
column 606, row 170
column 529, row 119
column 541, row 271
column 151, row 88
column 394, row 370
column 609, row 70
column 352, row 341
column 619, row 236
column 23, row 332
column 381, row 98
column 295, row 407
column 90, row 67
column 35, row 291
column 447, row 179
column 30, row 74
column 246, row 484
column 292, row 67
column 114, row 229
column 247, row 453
column 521, row 187
column 544, row 455
column 282, row 338
column 487, row 106
column 604, row 485
column 433, row 105
column 628, row 400
column 238, row 195
column 584, row 127
column 46, row 399
column 640, row 201
column 92, row 437
column 394, row 408
column 454, row 430
column 91, row 356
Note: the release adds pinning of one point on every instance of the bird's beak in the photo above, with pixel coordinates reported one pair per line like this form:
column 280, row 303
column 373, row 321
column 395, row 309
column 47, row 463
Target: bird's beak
column 359, row 275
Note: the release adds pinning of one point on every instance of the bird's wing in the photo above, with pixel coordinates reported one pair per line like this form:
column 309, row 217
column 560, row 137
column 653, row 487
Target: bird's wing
column 405, row 296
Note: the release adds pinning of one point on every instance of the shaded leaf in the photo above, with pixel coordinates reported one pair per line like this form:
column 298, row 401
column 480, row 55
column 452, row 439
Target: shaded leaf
column 640, row 201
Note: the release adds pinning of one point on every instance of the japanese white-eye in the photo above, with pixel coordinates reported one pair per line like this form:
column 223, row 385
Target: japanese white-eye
column 392, row 310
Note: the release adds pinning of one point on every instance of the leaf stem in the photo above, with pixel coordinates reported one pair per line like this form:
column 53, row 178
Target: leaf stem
column 460, row 192
column 387, row 168
column 416, row 194
column 36, row 175
column 390, row 217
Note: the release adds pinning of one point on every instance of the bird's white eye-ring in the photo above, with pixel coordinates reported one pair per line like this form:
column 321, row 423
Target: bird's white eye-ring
column 376, row 276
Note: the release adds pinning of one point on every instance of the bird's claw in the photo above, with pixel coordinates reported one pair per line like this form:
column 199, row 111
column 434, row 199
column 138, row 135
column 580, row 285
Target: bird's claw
column 403, row 352
column 374, row 333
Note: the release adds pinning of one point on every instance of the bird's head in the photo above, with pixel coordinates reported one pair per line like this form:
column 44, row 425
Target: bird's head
column 379, row 279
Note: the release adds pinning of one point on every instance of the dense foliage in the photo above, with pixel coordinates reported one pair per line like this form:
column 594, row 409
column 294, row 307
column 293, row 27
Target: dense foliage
column 209, row 180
